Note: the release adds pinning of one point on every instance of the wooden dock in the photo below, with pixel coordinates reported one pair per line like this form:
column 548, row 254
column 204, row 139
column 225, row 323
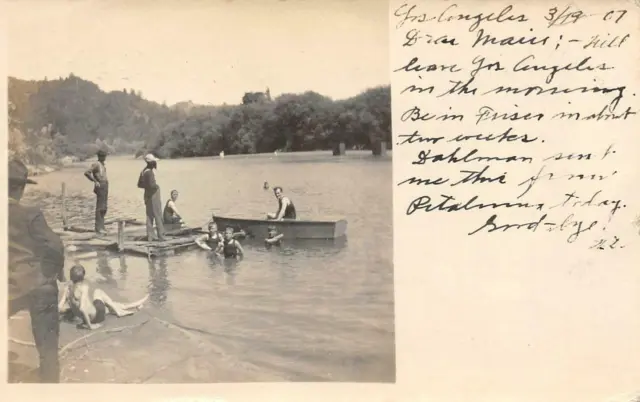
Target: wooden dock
column 132, row 241
column 130, row 237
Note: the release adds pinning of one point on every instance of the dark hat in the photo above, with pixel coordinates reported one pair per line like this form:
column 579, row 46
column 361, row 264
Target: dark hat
column 101, row 152
column 18, row 172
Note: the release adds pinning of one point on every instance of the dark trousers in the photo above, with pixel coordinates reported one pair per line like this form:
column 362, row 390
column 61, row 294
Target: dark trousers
column 153, row 206
column 42, row 304
column 102, row 195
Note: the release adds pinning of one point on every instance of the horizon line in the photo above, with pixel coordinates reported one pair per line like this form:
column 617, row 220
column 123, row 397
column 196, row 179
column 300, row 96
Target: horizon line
column 45, row 79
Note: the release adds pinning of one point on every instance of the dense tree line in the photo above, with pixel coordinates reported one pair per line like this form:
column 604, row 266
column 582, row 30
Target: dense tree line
column 73, row 117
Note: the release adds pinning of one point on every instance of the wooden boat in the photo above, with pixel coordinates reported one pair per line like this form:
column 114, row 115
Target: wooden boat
column 292, row 229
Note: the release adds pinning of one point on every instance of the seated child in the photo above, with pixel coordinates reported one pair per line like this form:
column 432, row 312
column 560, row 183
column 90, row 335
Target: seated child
column 91, row 309
column 273, row 238
column 231, row 248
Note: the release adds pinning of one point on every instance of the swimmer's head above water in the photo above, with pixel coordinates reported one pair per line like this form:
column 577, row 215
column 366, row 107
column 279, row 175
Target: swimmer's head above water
column 213, row 227
column 228, row 232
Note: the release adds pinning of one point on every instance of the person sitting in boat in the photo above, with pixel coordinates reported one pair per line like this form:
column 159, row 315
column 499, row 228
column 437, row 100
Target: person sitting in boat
column 170, row 215
column 231, row 248
column 92, row 308
column 212, row 241
column 273, row 238
column 286, row 209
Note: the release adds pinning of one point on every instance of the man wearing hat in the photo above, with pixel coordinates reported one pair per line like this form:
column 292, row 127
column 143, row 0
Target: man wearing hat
column 97, row 173
column 36, row 261
column 152, row 198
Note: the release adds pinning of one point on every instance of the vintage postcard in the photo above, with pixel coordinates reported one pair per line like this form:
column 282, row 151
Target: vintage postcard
column 376, row 200
column 199, row 192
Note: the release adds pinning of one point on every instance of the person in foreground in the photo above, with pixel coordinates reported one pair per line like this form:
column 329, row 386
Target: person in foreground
column 273, row 238
column 170, row 215
column 36, row 263
column 152, row 198
column 286, row 209
column 97, row 173
column 91, row 309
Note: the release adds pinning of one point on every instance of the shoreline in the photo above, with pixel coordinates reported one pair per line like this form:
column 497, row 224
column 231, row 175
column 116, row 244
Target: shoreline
column 36, row 170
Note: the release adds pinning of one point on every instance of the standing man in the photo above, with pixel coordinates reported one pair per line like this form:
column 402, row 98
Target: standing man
column 36, row 261
column 97, row 173
column 152, row 197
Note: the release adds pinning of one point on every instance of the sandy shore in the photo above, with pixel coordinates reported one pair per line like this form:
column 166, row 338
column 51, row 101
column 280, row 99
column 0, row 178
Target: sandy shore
column 142, row 348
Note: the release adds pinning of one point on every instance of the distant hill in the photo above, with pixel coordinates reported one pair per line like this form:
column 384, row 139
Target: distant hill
column 77, row 116
column 73, row 117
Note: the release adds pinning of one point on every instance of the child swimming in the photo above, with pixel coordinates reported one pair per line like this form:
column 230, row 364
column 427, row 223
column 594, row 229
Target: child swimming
column 211, row 241
column 231, row 248
column 91, row 309
column 273, row 238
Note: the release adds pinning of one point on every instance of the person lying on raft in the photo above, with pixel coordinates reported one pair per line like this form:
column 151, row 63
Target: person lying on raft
column 91, row 309
column 170, row 215
column 273, row 238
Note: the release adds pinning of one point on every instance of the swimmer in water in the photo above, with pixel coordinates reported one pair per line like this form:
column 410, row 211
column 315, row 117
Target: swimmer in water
column 92, row 309
column 231, row 248
column 273, row 238
column 212, row 241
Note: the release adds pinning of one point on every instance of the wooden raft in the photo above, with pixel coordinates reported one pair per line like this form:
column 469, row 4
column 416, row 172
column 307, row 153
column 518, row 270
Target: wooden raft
column 129, row 239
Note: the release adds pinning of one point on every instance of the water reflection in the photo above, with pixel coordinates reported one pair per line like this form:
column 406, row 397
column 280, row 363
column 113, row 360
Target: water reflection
column 230, row 271
column 229, row 267
column 310, row 247
column 123, row 267
column 103, row 268
column 159, row 283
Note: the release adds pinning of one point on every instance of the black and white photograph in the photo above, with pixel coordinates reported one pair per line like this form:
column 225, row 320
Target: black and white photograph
column 199, row 192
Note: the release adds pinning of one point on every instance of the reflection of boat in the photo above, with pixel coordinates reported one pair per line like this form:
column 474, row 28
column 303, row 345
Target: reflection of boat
column 292, row 229
column 307, row 245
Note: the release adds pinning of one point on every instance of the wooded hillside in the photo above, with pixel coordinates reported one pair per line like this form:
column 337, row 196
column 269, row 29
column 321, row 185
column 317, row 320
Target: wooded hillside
column 72, row 117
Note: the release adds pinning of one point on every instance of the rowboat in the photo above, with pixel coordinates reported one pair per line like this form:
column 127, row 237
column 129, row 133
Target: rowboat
column 291, row 229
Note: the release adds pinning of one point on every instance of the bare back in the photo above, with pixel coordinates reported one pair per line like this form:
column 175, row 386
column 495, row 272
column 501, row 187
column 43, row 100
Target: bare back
column 80, row 299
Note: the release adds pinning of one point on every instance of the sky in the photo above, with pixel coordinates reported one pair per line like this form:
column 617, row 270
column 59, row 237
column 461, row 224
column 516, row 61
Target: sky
column 205, row 51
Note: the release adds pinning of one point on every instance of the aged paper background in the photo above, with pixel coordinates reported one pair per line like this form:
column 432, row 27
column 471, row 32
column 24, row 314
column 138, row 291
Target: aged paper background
column 492, row 318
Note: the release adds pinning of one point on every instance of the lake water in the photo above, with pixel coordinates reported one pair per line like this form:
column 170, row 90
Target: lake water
column 309, row 312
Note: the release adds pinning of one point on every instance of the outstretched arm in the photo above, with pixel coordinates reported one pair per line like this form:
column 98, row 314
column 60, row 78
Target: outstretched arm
column 175, row 209
column 275, row 239
column 240, row 249
column 200, row 241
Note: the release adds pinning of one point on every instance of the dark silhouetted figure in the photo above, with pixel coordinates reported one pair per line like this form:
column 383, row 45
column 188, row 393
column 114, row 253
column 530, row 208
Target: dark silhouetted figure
column 36, row 262
column 152, row 198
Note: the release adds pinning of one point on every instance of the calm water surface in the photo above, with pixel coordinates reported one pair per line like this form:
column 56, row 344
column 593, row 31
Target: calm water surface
column 310, row 312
